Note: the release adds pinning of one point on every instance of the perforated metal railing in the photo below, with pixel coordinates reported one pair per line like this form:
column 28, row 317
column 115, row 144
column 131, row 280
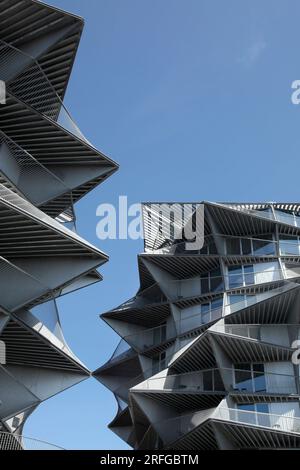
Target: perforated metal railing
column 29, row 169
column 26, row 80
column 10, row 441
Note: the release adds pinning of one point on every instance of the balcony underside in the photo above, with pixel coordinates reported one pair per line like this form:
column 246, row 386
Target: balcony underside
column 184, row 400
column 263, row 397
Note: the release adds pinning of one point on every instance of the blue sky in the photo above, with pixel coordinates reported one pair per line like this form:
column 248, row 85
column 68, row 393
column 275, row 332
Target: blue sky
column 193, row 99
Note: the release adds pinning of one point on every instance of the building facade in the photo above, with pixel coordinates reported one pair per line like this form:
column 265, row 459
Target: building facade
column 208, row 357
column 46, row 166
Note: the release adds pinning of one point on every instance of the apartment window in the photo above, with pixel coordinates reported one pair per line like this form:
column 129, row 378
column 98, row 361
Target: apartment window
column 212, row 381
column 160, row 334
column 159, row 362
column 233, row 246
column 258, row 417
column 246, row 246
column 205, row 283
column 246, row 299
column 216, row 281
column 211, row 281
column 259, row 378
column 248, row 274
column 263, row 246
column 208, row 380
column 211, row 310
column 205, row 312
column 240, row 275
column 249, row 377
column 236, row 298
column 290, row 218
column 289, row 245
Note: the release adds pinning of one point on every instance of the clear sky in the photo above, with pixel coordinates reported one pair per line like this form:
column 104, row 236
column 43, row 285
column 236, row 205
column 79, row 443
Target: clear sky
column 193, row 99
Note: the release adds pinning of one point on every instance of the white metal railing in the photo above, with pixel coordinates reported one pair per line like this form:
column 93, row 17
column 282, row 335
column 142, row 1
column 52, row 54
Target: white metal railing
column 196, row 286
column 265, row 420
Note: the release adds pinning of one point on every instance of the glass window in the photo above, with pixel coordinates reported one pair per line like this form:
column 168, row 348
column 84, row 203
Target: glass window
column 248, row 407
column 246, row 246
column 205, row 313
column 249, row 274
column 262, row 408
column 234, row 298
column 218, row 382
column 285, row 217
column 297, row 220
column 204, row 283
column 233, row 246
column 289, row 245
column 213, row 249
column 243, row 379
column 259, row 378
column 235, row 276
column 216, row 281
column 207, row 380
column 258, row 367
column 217, row 303
column 263, row 247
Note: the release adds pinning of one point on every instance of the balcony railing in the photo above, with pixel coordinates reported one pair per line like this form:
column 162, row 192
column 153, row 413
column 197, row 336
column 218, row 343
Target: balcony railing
column 277, row 334
column 199, row 286
column 32, row 179
column 150, row 338
column 201, row 381
column 29, row 83
column 210, row 380
column 285, row 423
column 16, row 442
column 246, row 382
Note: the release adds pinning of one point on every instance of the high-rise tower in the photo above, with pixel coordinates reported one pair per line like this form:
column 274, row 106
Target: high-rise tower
column 46, row 165
column 208, row 357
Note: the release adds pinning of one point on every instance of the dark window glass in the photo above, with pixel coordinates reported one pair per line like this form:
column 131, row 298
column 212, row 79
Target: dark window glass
column 219, row 386
column 243, row 380
column 213, row 249
column 204, row 250
column 259, row 367
column 242, row 366
column 246, row 246
column 216, row 284
column 233, row 246
column 263, row 247
column 204, row 284
column 207, row 380
column 162, row 360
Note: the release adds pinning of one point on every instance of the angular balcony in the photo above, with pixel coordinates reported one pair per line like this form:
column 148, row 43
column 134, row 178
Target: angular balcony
column 152, row 340
column 274, row 422
column 195, row 430
column 204, row 286
column 201, row 389
column 27, row 80
column 31, row 178
column 265, row 343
